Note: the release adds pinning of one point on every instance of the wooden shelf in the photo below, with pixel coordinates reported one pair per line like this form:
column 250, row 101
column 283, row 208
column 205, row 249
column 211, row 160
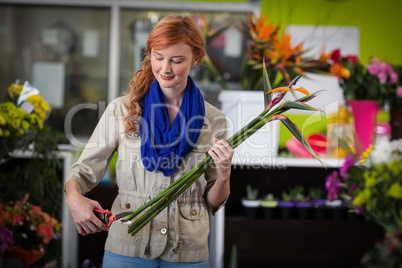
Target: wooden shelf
column 298, row 243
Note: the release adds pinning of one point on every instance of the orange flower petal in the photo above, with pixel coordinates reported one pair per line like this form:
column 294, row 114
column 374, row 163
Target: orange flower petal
column 300, row 89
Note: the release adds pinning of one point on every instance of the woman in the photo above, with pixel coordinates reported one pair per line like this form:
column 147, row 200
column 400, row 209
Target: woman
column 161, row 130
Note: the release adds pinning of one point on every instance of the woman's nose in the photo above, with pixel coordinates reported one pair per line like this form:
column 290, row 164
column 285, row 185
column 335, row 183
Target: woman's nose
column 166, row 68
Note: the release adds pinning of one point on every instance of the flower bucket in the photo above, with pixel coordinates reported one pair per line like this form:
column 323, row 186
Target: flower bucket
column 365, row 114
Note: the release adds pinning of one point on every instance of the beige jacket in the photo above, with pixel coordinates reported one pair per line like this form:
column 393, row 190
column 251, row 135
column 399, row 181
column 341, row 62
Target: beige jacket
column 180, row 232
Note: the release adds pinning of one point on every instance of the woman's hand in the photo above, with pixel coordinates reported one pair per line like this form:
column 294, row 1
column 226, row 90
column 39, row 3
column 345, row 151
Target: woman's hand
column 222, row 154
column 81, row 209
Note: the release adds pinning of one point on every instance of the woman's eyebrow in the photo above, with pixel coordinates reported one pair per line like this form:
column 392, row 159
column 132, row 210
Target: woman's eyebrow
column 159, row 54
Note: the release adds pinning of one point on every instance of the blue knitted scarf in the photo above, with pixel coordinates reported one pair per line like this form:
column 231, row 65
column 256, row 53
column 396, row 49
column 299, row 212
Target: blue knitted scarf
column 163, row 147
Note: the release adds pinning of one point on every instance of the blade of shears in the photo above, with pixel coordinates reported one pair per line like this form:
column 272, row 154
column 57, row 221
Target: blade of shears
column 120, row 216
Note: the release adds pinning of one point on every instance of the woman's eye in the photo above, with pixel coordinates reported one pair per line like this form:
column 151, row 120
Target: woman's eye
column 159, row 59
column 177, row 62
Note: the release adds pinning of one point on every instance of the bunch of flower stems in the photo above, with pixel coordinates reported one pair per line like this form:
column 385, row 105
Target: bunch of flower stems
column 270, row 113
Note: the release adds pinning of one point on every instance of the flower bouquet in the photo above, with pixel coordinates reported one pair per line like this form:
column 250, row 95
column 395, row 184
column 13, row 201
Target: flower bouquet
column 21, row 116
column 272, row 111
column 372, row 185
column 30, row 227
column 372, row 82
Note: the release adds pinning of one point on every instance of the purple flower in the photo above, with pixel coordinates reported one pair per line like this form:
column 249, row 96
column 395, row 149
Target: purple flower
column 349, row 162
column 358, row 209
column 333, row 184
column 6, row 239
column 399, row 91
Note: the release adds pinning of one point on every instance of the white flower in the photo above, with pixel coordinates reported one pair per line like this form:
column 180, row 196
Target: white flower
column 387, row 152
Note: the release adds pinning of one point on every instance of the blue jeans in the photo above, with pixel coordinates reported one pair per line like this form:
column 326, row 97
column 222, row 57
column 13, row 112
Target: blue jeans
column 112, row 260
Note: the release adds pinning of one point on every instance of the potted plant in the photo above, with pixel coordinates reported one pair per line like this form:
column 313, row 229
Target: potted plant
column 302, row 202
column 365, row 89
column 317, row 197
column 269, row 203
column 251, row 202
column 286, row 204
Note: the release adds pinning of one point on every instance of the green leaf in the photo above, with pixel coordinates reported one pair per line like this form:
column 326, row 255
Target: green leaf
column 267, row 87
column 211, row 35
column 310, row 97
column 297, row 133
column 299, row 106
column 214, row 72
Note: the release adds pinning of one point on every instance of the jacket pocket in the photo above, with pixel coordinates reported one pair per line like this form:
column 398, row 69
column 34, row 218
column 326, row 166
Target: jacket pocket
column 119, row 231
column 192, row 211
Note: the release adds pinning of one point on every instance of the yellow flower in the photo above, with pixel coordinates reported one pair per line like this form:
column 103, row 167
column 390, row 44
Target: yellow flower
column 41, row 106
column 362, row 197
column 3, row 120
column 14, row 91
column 366, row 153
column 15, row 123
column 395, row 190
column 25, row 125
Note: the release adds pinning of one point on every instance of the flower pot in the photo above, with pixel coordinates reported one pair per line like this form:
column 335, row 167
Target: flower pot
column 286, row 209
column 269, row 208
column 336, row 209
column 303, row 209
column 251, row 207
column 365, row 114
column 396, row 123
column 319, row 209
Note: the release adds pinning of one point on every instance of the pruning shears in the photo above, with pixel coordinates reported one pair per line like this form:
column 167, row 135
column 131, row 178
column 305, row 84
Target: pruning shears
column 109, row 218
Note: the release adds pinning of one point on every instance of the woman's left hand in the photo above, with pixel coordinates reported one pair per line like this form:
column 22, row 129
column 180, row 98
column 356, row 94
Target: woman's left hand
column 222, row 154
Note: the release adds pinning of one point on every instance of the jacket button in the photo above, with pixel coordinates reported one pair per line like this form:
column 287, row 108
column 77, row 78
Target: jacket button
column 194, row 212
column 128, row 205
column 163, row 231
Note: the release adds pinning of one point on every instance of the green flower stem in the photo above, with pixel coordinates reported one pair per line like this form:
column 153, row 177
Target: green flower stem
column 163, row 203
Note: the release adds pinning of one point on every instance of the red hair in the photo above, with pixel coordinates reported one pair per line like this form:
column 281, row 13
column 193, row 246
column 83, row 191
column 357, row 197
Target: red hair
column 168, row 31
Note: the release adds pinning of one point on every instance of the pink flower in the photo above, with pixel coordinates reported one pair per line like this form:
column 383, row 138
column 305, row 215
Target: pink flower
column 399, row 91
column 16, row 219
column 394, row 77
column 333, row 184
column 382, row 77
column 373, row 69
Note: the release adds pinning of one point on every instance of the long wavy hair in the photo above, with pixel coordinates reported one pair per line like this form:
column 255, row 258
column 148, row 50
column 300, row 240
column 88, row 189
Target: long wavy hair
column 168, row 31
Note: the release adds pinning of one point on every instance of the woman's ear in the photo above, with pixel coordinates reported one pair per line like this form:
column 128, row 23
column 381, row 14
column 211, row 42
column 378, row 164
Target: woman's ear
column 194, row 63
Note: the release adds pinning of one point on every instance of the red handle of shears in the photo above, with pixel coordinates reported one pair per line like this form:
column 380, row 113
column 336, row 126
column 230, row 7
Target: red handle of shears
column 107, row 217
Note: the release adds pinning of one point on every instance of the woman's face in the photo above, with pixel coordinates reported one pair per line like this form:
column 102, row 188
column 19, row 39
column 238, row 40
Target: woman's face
column 171, row 66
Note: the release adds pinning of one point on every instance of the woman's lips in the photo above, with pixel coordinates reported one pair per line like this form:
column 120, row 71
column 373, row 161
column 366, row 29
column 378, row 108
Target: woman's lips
column 166, row 77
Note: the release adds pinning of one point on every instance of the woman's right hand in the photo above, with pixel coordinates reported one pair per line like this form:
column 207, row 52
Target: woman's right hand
column 82, row 211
